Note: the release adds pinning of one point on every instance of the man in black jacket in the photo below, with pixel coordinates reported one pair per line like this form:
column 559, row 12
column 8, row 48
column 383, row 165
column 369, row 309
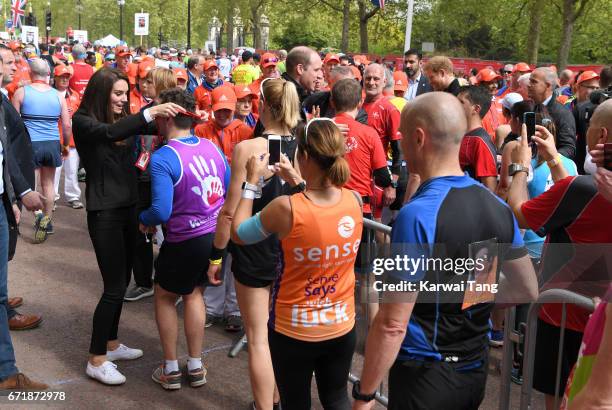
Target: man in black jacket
column 541, row 86
column 304, row 70
column 21, row 168
column 417, row 81
column 441, row 76
column 322, row 99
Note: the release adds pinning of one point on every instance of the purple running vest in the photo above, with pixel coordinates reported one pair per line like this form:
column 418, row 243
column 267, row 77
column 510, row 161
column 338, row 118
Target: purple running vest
column 199, row 193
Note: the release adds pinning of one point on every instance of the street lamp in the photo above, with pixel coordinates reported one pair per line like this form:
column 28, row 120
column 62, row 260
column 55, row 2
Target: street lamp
column 121, row 3
column 188, row 24
column 79, row 10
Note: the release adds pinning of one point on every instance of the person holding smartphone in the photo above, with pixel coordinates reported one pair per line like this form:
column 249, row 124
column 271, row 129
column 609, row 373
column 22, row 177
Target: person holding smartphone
column 312, row 319
column 255, row 266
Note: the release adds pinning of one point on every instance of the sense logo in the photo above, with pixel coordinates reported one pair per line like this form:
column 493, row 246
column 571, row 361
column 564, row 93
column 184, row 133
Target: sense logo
column 346, row 226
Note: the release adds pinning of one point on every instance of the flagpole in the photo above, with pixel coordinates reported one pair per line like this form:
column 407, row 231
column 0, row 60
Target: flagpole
column 408, row 25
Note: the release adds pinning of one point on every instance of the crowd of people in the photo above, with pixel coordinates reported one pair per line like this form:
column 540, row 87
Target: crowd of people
column 254, row 174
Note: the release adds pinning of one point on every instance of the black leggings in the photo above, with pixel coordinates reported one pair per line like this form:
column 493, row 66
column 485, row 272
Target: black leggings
column 143, row 250
column 112, row 233
column 294, row 362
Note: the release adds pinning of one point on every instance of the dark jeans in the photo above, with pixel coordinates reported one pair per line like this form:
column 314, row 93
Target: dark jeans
column 295, row 361
column 143, row 250
column 7, row 354
column 112, row 233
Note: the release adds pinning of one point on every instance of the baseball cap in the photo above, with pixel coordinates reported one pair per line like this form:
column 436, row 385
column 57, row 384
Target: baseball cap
column 61, row 70
column 268, row 60
column 486, row 75
column 246, row 55
column 224, row 98
column 522, row 68
column 242, row 91
column 144, row 68
column 180, row 74
column 510, row 99
column 15, row 45
column 122, row 51
column 208, row 64
column 400, row 81
column 329, row 57
column 586, row 76
column 508, row 68
column 109, row 56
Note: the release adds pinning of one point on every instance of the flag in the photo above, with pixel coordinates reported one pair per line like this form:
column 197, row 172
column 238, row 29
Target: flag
column 379, row 3
column 18, row 11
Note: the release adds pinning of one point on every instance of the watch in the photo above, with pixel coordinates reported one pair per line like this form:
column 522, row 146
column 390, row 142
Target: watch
column 514, row 168
column 357, row 395
column 393, row 184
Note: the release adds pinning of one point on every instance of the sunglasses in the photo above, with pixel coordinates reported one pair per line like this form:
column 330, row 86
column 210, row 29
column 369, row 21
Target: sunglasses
column 270, row 60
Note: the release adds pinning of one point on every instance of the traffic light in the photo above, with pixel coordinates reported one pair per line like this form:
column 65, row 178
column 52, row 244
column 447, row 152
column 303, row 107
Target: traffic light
column 48, row 20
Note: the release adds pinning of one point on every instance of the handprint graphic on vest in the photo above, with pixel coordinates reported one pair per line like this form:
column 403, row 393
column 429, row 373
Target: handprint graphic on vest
column 211, row 188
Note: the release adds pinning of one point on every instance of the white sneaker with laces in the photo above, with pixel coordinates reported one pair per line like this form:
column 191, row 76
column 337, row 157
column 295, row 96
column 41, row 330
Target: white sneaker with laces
column 123, row 353
column 107, row 373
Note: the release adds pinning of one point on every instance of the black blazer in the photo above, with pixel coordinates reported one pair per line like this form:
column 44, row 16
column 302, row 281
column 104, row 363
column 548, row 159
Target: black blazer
column 424, row 86
column 107, row 154
column 323, row 100
column 565, row 126
column 21, row 164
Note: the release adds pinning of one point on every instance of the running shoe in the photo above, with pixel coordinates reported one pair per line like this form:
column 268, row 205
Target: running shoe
column 497, row 338
column 233, row 323
column 516, row 376
column 135, row 292
column 76, row 204
column 40, row 230
column 50, row 230
column 197, row 377
column 171, row 381
column 212, row 320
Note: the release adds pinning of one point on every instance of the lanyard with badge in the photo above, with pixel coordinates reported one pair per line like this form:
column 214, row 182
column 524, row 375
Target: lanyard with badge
column 145, row 156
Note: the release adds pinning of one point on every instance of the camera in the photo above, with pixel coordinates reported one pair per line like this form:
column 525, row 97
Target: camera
column 600, row 95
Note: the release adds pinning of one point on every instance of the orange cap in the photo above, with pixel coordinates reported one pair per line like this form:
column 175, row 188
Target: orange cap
column 15, row 45
column 356, row 72
column 243, row 91
column 487, row 75
column 521, row 68
column 208, row 64
column 331, row 57
column 586, row 76
column 121, row 51
column 144, row 68
column 400, row 81
column 61, row 70
column 268, row 60
column 180, row 74
column 224, row 98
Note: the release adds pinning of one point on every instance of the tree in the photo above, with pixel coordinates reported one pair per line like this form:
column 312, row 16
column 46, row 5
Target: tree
column 572, row 10
column 535, row 27
column 346, row 17
column 364, row 16
column 255, row 7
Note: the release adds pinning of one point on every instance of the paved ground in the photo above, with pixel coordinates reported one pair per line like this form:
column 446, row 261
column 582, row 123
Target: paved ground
column 60, row 280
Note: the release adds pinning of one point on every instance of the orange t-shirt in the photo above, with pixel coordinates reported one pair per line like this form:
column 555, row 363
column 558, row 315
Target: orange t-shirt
column 73, row 100
column 227, row 138
column 493, row 118
column 137, row 101
column 21, row 78
column 314, row 296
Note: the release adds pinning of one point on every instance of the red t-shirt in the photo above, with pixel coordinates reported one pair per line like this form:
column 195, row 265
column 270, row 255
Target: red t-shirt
column 80, row 78
column 384, row 117
column 364, row 153
column 493, row 118
column 571, row 211
column 477, row 154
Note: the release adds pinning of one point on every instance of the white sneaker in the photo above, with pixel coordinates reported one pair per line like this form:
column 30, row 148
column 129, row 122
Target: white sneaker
column 123, row 353
column 107, row 373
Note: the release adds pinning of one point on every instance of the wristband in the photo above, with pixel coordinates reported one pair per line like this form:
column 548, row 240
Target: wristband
column 217, row 253
column 215, row 261
column 248, row 194
column 554, row 162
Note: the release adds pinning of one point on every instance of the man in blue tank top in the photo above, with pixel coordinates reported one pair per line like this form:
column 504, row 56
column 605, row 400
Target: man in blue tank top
column 42, row 108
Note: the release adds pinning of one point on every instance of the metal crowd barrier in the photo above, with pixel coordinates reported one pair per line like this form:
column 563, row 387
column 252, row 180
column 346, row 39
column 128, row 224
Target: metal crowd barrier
column 511, row 337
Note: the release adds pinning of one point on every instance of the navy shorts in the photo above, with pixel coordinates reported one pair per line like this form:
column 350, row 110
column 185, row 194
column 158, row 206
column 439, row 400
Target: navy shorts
column 47, row 154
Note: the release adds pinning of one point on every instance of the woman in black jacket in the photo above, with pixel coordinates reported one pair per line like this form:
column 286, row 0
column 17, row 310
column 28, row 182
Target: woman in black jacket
column 103, row 133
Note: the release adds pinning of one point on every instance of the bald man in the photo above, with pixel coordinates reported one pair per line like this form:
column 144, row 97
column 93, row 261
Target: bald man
column 417, row 334
column 542, row 82
column 384, row 117
column 304, row 70
column 42, row 108
column 584, row 218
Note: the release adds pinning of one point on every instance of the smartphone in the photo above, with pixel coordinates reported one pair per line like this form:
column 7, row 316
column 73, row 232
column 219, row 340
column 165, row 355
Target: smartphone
column 608, row 156
column 274, row 149
column 529, row 118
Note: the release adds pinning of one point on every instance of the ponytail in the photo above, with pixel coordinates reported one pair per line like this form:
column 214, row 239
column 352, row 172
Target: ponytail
column 281, row 98
column 339, row 173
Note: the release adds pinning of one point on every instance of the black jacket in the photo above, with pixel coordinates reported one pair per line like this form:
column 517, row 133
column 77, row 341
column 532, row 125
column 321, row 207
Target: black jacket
column 302, row 92
column 454, row 87
column 582, row 113
column 322, row 99
column 21, row 164
column 108, row 159
column 565, row 126
column 424, row 86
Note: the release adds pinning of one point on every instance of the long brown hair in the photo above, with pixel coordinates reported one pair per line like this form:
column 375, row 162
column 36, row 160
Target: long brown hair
column 97, row 97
